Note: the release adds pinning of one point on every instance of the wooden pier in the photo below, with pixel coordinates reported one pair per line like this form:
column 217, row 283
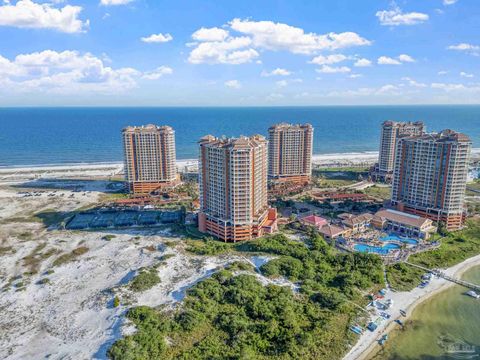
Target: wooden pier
column 438, row 273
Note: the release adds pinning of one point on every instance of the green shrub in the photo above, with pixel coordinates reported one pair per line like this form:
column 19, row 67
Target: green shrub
column 146, row 279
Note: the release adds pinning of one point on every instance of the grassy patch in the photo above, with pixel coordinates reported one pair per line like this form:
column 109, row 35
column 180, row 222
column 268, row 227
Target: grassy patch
column 108, row 237
column 6, row 250
column 51, row 217
column 71, row 256
column 379, row 192
column 32, row 261
column 208, row 247
column 146, row 279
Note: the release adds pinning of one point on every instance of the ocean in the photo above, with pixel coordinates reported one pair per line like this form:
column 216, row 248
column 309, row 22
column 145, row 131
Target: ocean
column 45, row 136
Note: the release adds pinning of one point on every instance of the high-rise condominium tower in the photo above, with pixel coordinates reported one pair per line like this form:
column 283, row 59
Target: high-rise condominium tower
column 233, row 188
column 149, row 157
column 430, row 176
column 390, row 134
column 290, row 152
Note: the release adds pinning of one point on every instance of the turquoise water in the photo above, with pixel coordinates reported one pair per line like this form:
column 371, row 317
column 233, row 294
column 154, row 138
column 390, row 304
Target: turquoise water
column 394, row 237
column 35, row 136
column 376, row 249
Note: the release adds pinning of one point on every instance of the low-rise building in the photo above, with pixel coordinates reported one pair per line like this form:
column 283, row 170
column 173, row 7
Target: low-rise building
column 332, row 232
column 403, row 223
column 314, row 220
column 357, row 223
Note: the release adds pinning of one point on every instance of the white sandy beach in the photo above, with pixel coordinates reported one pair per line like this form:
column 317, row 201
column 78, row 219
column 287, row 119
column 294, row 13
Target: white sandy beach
column 406, row 301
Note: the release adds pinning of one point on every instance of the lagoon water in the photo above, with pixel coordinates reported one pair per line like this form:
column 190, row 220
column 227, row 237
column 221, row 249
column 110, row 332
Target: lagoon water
column 39, row 136
column 439, row 327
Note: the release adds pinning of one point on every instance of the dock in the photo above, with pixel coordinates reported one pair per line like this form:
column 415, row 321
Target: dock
column 438, row 273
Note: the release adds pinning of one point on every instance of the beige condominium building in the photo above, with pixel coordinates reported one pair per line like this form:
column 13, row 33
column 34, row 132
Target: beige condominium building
column 149, row 155
column 290, row 153
column 430, row 176
column 233, row 188
column 391, row 132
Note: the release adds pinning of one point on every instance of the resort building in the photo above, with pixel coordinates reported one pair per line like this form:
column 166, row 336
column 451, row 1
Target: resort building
column 430, row 176
column 314, row 220
column 357, row 223
column 290, row 153
column 149, row 157
column 391, row 132
column 332, row 232
column 403, row 223
column 233, row 188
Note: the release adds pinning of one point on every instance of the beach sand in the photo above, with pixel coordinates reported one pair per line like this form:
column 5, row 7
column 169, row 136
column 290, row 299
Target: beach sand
column 406, row 301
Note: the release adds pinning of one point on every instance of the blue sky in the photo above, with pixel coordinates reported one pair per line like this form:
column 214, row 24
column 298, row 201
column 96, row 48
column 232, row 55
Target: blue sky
column 176, row 53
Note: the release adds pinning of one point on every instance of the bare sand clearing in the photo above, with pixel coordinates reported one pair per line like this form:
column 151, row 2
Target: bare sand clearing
column 72, row 316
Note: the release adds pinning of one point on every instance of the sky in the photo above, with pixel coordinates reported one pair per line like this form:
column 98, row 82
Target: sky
column 239, row 53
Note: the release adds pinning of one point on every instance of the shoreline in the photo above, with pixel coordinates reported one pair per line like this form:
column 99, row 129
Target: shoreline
column 366, row 345
column 345, row 158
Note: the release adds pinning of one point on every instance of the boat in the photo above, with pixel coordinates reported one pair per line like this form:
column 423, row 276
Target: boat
column 473, row 294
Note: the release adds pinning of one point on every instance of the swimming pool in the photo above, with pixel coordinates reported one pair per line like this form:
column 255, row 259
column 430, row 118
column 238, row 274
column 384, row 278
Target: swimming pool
column 376, row 249
column 394, row 237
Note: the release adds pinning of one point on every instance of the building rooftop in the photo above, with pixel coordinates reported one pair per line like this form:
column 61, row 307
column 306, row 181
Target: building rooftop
column 147, row 128
column 315, row 220
column 282, row 126
column 234, row 143
column 331, row 230
column 442, row 136
column 401, row 217
column 353, row 220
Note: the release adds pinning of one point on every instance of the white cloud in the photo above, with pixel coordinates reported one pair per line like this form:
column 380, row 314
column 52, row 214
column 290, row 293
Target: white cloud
column 233, row 84
column 362, row 63
column 355, row 76
column 28, row 14
column 115, row 2
column 158, row 73
column 278, row 36
column 231, row 51
column 449, row 2
column 211, row 34
column 448, row 87
column 442, row 72
column 396, row 17
column 157, row 38
column 68, row 72
column 274, row 97
column 276, row 72
column 217, row 46
column 328, row 60
column 464, row 74
column 406, row 58
column 467, row 48
column 385, row 60
column 325, row 69
column 281, row 83
column 387, row 89
column 414, row 83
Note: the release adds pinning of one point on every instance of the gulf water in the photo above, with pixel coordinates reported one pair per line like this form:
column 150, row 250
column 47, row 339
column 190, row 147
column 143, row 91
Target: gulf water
column 39, row 136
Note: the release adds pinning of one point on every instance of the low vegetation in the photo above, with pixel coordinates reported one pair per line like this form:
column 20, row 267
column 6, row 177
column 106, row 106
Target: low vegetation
column 146, row 279
column 208, row 247
column 236, row 317
column 455, row 247
column 71, row 256
column 379, row 192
